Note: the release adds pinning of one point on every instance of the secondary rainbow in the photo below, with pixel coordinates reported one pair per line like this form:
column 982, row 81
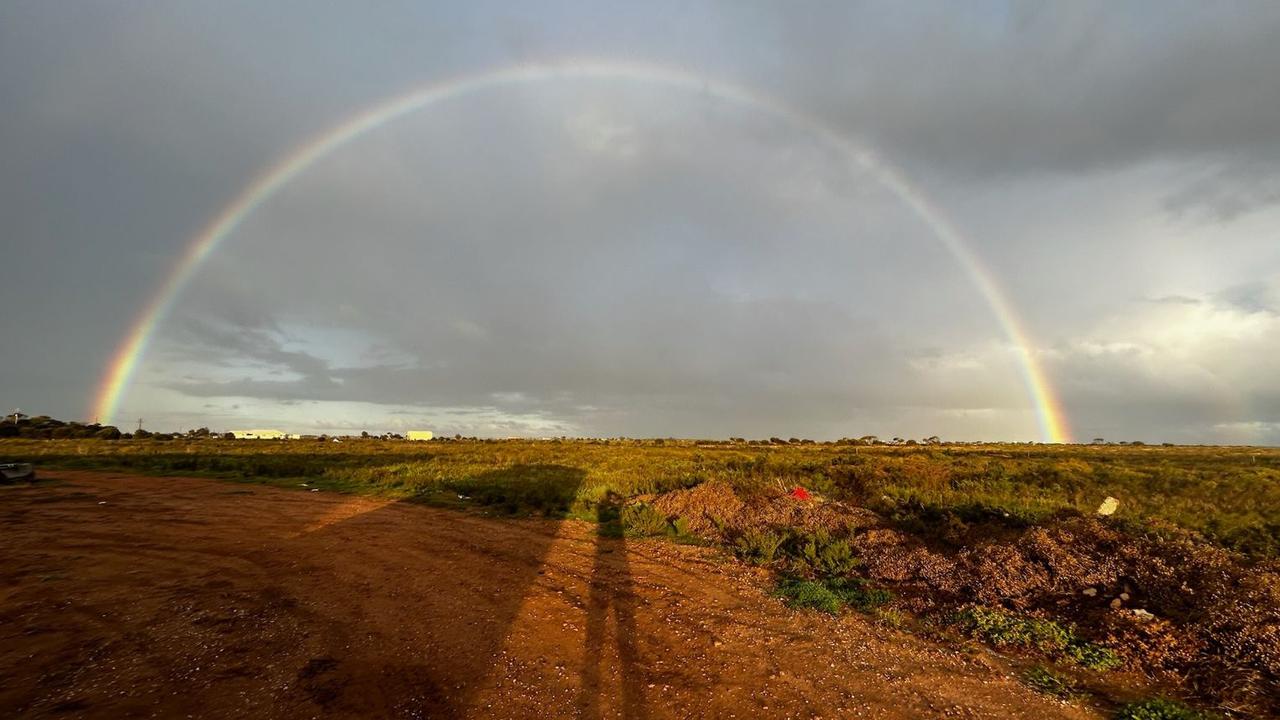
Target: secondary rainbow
column 124, row 363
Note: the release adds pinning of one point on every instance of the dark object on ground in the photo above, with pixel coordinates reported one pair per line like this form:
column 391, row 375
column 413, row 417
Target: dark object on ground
column 16, row 472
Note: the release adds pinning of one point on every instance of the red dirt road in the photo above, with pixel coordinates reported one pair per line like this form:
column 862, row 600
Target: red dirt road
column 125, row 596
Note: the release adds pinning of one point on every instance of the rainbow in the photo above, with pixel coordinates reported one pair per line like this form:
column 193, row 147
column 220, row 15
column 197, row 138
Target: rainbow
column 133, row 348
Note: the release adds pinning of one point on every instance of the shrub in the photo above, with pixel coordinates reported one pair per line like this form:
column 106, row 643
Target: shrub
column 758, row 546
column 682, row 533
column 818, row 553
column 641, row 520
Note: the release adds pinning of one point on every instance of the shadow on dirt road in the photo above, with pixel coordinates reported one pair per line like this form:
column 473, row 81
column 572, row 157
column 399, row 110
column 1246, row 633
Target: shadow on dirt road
column 148, row 596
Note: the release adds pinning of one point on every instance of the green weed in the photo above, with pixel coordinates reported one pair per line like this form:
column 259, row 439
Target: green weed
column 758, row 546
column 642, row 520
column 1004, row 629
column 1051, row 682
column 832, row 594
column 1160, row 709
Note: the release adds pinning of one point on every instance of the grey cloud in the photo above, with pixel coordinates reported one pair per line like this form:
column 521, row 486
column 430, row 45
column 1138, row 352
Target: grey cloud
column 1256, row 296
column 614, row 258
column 1229, row 190
column 1014, row 88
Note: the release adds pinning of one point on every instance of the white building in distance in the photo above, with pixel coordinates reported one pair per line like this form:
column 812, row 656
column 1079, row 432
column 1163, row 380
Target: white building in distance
column 419, row 434
column 257, row 434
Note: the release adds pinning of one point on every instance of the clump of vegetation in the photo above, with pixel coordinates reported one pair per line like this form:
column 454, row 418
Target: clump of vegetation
column 1051, row 682
column 644, row 520
column 1160, row 709
column 892, row 617
column 682, row 533
column 818, row 553
column 832, row 594
column 641, row 520
column 1005, row 629
column 758, row 546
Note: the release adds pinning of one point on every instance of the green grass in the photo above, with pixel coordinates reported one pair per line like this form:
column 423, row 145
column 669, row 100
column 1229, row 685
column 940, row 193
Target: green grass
column 1053, row 639
column 1160, row 709
column 758, row 545
column 1231, row 495
column 832, row 594
column 1051, row 682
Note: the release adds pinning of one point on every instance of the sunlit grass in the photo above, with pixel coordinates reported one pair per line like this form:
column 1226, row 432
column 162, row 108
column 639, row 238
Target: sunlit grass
column 1232, row 495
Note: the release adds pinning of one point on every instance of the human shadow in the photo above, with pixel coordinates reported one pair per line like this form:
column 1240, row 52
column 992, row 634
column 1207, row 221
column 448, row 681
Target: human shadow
column 470, row 613
column 611, row 590
column 299, row 605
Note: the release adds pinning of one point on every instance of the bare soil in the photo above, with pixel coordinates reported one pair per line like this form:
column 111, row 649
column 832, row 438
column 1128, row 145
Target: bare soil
column 127, row 596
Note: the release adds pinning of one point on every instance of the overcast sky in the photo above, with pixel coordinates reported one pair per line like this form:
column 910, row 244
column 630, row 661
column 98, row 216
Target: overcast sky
column 614, row 256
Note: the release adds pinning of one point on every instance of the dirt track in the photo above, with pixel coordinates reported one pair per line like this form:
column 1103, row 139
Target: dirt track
column 125, row 596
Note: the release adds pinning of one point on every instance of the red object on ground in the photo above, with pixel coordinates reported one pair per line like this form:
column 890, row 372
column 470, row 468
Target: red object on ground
column 800, row 493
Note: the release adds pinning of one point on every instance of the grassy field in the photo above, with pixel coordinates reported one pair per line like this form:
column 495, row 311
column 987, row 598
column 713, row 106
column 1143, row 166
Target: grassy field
column 1230, row 495
column 996, row 543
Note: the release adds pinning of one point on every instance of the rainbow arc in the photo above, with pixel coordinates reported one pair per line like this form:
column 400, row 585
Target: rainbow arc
column 125, row 361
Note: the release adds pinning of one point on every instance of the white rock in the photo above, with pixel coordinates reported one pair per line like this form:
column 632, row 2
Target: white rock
column 1108, row 506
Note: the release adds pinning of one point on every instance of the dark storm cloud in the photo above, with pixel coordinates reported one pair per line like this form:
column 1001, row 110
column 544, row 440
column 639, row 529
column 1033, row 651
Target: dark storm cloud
column 1036, row 87
column 617, row 259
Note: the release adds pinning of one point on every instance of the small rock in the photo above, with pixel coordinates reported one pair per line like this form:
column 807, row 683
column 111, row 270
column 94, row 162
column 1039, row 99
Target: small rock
column 1116, row 603
column 1141, row 614
column 1124, row 596
column 1108, row 506
column 1089, row 592
column 315, row 489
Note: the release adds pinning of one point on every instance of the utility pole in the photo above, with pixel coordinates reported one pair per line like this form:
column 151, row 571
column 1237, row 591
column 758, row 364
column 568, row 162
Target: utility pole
column 139, row 424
